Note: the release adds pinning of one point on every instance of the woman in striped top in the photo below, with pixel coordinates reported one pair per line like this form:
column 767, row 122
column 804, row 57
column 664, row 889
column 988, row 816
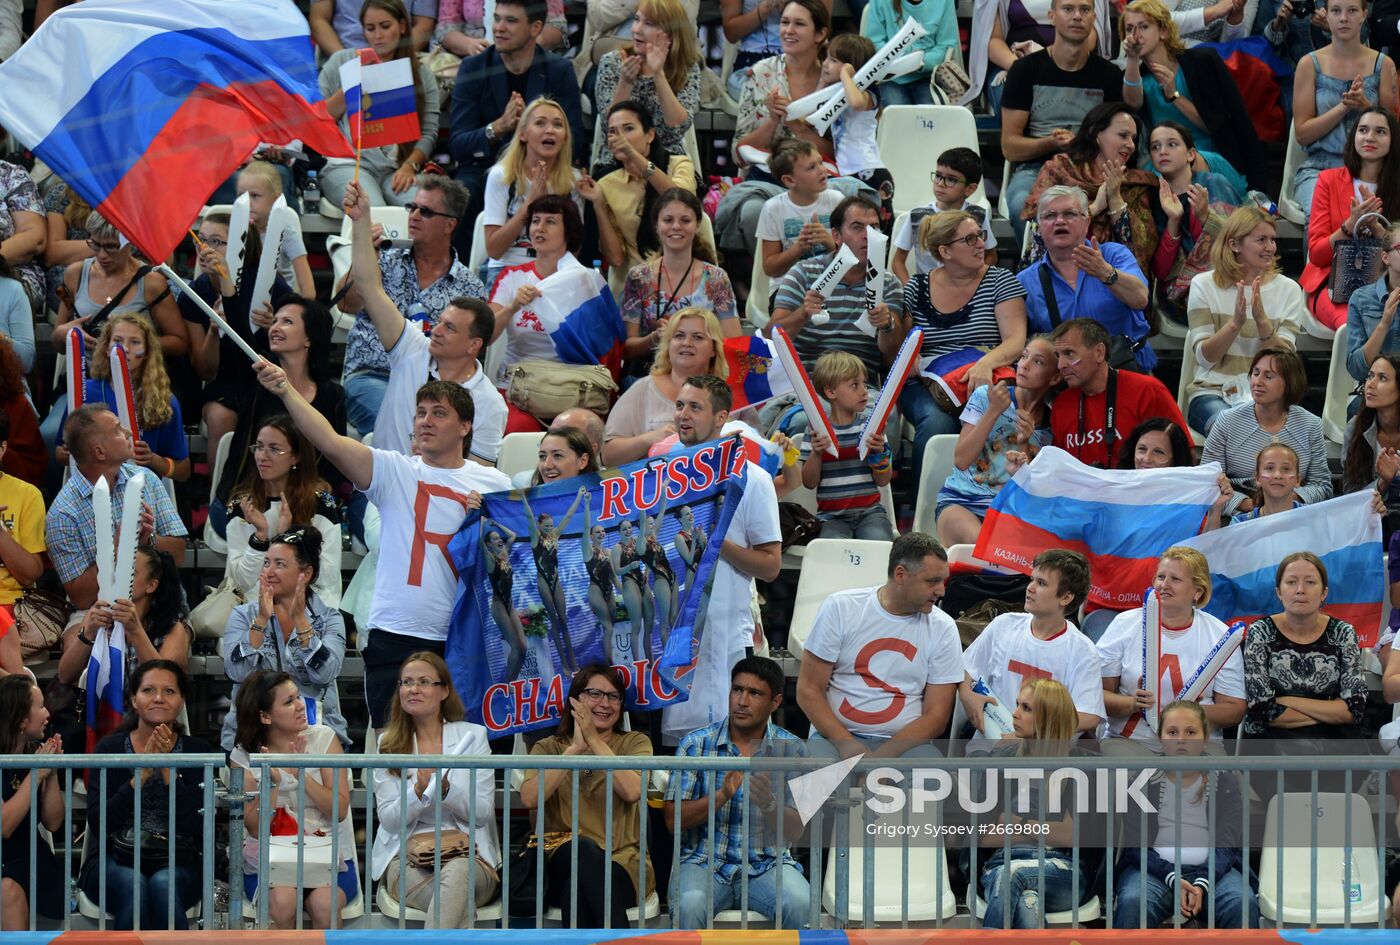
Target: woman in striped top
column 1277, row 383
column 1243, row 303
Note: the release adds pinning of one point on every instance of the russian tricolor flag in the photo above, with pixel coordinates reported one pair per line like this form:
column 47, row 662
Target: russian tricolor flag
column 379, row 94
column 1344, row 532
column 577, row 309
column 106, row 683
column 146, row 108
column 755, row 374
column 1120, row 519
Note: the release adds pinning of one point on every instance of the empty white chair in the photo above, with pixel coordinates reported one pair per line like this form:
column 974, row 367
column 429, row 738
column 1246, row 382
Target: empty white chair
column 478, row 257
column 910, row 137
column 211, row 537
column 1297, row 813
column 929, row 892
column 833, row 564
column 938, row 466
column 519, row 452
column 1006, row 168
column 1288, row 208
column 1340, row 384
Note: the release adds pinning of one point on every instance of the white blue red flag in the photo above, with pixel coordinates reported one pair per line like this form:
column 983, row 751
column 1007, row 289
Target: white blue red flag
column 146, row 108
column 755, row 374
column 379, row 94
column 1120, row 519
column 106, row 683
column 1344, row 532
column 577, row 309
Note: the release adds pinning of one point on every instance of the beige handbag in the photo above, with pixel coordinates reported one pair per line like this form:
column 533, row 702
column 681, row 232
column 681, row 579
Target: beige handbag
column 545, row 389
column 209, row 619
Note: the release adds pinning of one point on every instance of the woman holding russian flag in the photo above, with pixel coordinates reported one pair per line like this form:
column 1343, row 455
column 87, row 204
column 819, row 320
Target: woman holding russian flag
column 1189, row 637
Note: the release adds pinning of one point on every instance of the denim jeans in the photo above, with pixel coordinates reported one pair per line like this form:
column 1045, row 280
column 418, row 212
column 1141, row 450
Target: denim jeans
column 1027, row 909
column 917, row 406
column 364, row 395
column 905, row 93
column 1018, row 191
column 155, row 894
column 1204, row 410
column 1232, row 896
column 868, row 524
column 691, row 886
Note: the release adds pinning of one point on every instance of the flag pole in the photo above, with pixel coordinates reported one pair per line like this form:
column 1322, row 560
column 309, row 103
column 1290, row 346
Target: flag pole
column 359, row 135
column 214, row 316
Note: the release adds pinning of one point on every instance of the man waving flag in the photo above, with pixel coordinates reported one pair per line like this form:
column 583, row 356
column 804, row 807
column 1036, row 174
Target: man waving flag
column 146, row 108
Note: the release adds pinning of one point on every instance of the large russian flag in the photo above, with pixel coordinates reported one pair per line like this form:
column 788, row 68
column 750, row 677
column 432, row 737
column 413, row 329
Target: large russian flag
column 577, row 309
column 146, row 108
column 755, row 374
column 1121, row 519
column 106, row 683
column 1344, row 532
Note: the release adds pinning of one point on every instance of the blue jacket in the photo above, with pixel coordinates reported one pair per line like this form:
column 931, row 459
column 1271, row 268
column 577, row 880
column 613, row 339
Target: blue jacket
column 480, row 94
column 1363, row 315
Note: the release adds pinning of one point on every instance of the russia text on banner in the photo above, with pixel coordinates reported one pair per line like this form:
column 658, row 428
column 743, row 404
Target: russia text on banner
column 755, row 375
column 145, row 109
column 1344, row 532
column 381, row 95
column 1121, row 519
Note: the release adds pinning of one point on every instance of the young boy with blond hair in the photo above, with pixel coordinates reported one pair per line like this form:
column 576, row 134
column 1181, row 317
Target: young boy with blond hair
column 848, row 487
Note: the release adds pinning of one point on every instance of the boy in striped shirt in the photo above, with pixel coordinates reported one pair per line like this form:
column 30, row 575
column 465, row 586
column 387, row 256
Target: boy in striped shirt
column 848, row 487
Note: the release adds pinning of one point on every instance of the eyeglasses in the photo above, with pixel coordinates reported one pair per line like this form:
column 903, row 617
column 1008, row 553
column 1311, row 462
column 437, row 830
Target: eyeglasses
column 213, row 241
column 273, row 451
column 947, row 181
column 422, row 682
column 971, row 239
column 97, row 247
column 428, row 213
column 601, row 695
column 1069, row 216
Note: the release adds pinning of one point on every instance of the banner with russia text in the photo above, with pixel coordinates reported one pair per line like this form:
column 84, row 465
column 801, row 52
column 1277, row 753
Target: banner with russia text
column 583, row 570
column 1121, row 519
column 1344, row 532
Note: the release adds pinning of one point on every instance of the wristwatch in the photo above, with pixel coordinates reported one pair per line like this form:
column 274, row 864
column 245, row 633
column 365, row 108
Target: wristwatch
column 651, row 169
column 1112, row 277
column 491, row 132
column 1175, row 96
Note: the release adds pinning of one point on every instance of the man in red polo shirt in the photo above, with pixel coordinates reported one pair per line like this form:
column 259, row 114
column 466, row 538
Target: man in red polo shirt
column 1101, row 406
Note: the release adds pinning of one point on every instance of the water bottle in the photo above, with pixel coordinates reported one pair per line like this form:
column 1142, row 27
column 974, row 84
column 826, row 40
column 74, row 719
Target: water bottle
column 417, row 313
column 311, row 194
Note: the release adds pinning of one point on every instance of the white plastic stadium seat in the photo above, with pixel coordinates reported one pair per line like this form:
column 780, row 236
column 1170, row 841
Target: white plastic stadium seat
column 1340, row 384
column 211, row 537
column 910, row 137
column 1088, row 912
column 395, row 223
column 938, row 466
column 962, row 554
column 519, row 452
column 1288, row 208
column 1002, row 210
column 759, row 288
column 833, row 564
column 927, row 861
column 1188, row 374
column 653, row 909
column 477, row 258
column 389, row 906
column 1297, row 813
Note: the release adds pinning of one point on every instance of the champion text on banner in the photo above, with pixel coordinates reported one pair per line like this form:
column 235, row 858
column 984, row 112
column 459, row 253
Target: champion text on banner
column 1344, row 532
column 1121, row 519
column 146, row 108
column 615, row 571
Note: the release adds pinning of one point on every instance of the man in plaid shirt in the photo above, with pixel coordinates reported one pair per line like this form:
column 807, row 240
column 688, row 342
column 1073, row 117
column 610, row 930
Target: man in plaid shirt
column 101, row 446
column 756, row 691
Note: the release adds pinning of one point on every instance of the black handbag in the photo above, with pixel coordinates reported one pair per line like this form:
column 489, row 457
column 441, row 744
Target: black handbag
column 155, row 849
column 797, row 525
column 524, row 871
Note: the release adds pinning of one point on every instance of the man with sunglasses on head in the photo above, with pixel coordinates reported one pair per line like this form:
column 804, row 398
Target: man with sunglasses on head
column 421, row 280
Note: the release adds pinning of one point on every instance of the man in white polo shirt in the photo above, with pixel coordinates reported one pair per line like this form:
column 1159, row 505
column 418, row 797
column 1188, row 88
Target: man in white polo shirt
column 881, row 666
column 422, row 501
column 450, row 353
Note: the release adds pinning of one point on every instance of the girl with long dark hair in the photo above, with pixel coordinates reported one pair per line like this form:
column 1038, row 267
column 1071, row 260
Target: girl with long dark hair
column 23, row 719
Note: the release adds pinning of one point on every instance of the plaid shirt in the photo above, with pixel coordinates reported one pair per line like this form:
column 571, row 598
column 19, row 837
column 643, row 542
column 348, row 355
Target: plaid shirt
column 71, row 526
column 363, row 350
column 730, row 842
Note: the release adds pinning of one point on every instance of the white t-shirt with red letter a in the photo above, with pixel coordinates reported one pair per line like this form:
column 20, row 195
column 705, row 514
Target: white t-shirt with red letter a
column 881, row 663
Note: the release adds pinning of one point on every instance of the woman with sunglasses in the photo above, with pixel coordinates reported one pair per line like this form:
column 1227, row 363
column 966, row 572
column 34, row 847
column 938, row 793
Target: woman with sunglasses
column 963, row 303
column 289, row 629
column 283, row 485
column 592, row 724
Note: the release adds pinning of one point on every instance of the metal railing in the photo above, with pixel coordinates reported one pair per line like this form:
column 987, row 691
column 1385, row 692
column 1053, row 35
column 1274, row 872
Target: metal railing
column 826, row 838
